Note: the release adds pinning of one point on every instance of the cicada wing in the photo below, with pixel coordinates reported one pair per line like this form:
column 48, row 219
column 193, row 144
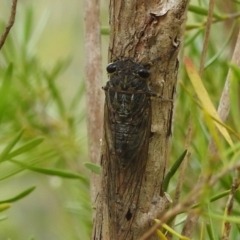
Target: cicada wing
column 123, row 183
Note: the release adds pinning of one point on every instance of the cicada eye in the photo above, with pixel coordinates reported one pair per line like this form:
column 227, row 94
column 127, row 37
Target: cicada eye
column 111, row 68
column 143, row 73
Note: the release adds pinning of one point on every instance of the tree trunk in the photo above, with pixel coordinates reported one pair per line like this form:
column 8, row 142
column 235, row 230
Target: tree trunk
column 145, row 31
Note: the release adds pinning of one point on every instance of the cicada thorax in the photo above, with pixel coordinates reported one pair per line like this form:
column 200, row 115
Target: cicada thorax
column 128, row 103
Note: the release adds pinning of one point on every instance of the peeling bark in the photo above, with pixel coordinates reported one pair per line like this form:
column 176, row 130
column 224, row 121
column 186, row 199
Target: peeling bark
column 146, row 31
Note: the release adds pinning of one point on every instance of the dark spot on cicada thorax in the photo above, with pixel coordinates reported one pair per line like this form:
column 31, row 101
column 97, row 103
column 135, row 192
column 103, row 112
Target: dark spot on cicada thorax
column 111, row 68
column 143, row 73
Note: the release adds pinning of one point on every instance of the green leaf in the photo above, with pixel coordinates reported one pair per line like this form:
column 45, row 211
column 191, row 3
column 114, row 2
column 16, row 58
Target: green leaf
column 19, row 196
column 10, row 146
column 231, row 219
column 195, row 26
column 235, row 71
column 205, row 99
column 55, row 93
column 2, row 218
column 17, row 169
column 202, row 11
column 78, row 96
column 4, row 206
column 105, row 30
column 192, row 38
column 173, row 170
column 214, row 198
column 8, row 74
column 48, row 171
column 29, row 145
column 28, row 25
column 211, row 231
column 32, row 238
column 93, row 167
column 226, row 43
column 5, row 91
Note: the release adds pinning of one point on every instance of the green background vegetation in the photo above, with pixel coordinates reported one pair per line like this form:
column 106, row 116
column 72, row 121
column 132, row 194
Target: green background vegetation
column 42, row 91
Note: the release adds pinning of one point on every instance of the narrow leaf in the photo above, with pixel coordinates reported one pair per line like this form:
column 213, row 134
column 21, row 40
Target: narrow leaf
column 19, row 196
column 161, row 235
column 48, row 171
column 2, row 218
column 191, row 39
column 4, row 206
column 202, row 11
column 211, row 225
column 93, row 167
column 29, row 145
column 209, row 231
column 173, row 232
column 173, row 170
column 105, row 30
column 204, row 98
column 9, row 147
column 216, row 56
column 55, row 93
column 231, row 219
column 214, row 198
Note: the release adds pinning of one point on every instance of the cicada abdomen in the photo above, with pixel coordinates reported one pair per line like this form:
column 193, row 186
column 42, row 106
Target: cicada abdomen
column 127, row 124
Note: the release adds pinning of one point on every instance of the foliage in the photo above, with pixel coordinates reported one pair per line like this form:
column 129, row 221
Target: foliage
column 40, row 135
column 221, row 45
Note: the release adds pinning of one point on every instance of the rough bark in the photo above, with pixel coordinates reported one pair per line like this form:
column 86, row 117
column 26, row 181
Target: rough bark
column 146, row 31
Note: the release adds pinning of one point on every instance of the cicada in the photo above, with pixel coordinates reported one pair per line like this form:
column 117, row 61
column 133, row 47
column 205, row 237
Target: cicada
column 128, row 111
column 127, row 126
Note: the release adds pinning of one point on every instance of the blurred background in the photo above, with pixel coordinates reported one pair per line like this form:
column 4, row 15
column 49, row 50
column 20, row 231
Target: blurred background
column 42, row 91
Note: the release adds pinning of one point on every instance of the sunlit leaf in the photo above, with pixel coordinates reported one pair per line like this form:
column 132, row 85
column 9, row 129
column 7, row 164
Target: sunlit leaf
column 161, row 235
column 204, row 98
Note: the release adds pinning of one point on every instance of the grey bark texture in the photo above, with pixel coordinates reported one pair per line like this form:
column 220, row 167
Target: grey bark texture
column 94, row 94
column 145, row 31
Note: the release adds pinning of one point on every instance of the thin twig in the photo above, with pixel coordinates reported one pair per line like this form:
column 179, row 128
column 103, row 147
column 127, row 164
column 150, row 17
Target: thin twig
column 10, row 23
